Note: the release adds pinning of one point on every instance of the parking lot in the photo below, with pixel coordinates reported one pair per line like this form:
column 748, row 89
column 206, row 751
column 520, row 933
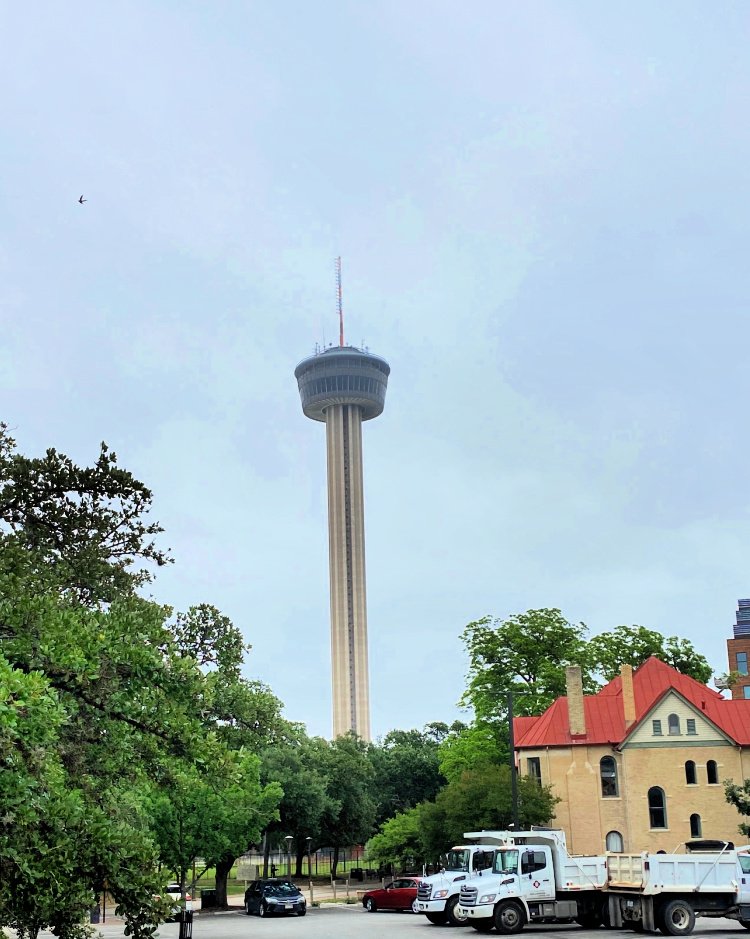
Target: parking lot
column 352, row 922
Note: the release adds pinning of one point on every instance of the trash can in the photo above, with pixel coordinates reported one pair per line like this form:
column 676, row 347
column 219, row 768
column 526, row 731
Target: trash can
column 357, row 873
column 95, row 914
column 208, row 898
column 186, row 924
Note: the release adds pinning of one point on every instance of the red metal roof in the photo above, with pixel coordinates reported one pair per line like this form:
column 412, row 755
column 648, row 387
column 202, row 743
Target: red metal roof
column 605, row 720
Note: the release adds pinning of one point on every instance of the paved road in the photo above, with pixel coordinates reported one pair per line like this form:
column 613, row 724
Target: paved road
column 352, row 922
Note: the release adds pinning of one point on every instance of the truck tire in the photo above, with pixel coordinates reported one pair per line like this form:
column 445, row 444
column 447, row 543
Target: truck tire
column 677, row 918
column 509, row 918
column 451, row 914
column 482, row 925
column 437, row 919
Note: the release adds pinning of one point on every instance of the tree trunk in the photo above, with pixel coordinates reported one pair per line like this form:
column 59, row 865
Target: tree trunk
column 266, row 852
column 335, row 862
column 300, row 859
column 222, row 873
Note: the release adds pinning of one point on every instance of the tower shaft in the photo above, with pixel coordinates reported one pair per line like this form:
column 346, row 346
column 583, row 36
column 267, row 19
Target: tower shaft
column 346, row 541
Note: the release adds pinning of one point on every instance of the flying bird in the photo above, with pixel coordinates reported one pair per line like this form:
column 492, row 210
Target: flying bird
column 82, row 200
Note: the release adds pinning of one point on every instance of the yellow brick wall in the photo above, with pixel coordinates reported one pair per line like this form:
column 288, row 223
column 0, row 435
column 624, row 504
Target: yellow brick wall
column 586, row 816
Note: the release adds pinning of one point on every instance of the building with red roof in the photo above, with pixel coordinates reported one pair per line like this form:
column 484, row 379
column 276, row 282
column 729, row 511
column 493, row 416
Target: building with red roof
column 639, row 765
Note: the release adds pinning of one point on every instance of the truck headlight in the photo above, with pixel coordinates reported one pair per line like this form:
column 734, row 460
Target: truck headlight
column 440, row 894
column 487, row 898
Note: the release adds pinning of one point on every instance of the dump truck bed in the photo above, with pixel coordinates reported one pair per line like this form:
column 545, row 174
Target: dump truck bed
column 656, row 873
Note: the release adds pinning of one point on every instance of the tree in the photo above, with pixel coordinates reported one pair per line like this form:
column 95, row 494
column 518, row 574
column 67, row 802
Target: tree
column 83, row 527
column 632, row 645
column 481, row 799
column 406, row 771
column 399, row 843
column 739, row 797
column 350, row 778
column 525, row 654
column 296, row 766
column 473, row 745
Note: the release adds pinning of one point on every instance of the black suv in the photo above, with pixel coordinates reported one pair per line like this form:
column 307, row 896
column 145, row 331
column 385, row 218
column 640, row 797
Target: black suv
column 274, row 896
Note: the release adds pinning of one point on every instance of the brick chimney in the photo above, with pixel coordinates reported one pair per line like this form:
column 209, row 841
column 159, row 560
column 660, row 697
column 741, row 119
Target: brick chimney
column 628, row 695
column 576, row 714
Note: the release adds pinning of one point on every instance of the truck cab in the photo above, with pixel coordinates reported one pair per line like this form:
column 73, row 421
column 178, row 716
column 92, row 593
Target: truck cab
column 437, row 895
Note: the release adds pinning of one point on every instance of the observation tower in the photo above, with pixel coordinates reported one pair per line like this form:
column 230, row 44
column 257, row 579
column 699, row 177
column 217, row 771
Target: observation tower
column 343, row 386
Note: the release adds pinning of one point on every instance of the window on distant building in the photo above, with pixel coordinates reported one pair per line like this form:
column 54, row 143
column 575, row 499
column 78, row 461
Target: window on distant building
column 742, row 663
column 608, row 774
column 614, row 842
column 696, row 829
column 673, row 722
column 534, row 768
column 712, row 772
column 746, row 691
column 657, row 808
column 690, row 777
column 656, row 727
column 690, row 724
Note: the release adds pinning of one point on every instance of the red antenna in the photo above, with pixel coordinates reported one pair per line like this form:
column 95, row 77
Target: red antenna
column 339, row 303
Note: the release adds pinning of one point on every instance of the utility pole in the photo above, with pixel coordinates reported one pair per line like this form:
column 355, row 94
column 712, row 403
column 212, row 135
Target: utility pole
column 513, row 774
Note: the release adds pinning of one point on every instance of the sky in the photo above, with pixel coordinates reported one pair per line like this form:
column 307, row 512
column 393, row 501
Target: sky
column 543, row 214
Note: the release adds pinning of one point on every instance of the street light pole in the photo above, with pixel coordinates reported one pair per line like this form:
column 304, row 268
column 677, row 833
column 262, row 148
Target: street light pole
column 288, row 839
column 309, row 860
column 513, row 773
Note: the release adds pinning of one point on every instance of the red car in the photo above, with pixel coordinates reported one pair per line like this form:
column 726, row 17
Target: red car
column 401, row 894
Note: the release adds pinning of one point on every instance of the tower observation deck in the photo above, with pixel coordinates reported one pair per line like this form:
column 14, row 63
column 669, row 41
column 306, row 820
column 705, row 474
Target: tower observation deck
column 343, row 386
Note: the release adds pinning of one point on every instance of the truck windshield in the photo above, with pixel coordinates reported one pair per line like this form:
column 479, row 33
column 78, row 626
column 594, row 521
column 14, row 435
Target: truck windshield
column 456, row 860
column 506, row 862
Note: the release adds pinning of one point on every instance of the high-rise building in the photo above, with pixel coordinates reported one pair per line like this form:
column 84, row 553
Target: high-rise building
column 738, row 651
column 343, row 386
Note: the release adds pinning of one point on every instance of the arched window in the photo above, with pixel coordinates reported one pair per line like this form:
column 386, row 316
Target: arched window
column 690, row 778
column 608, row 774
column 712, row 772
column 696, row 829
column 673, row 722
column 657, row 808
column 614, row 842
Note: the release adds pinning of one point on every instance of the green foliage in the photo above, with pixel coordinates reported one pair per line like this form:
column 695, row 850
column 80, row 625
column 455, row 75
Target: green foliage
column 406, row 771
column 527, row 655
column 739, row 797
column 632, row 645
column 84, row 527
column 469, row 746
column 399, row 842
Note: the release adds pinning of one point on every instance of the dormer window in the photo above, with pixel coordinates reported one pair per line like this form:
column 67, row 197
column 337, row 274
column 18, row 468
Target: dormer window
column 656, row 728
column 673, row 722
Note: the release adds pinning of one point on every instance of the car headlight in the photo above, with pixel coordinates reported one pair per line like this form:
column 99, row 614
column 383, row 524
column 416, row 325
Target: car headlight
column 487, row 898
column 440, row 894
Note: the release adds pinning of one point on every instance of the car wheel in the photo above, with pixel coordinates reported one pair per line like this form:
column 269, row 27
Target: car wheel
column 302, row 911
column 370, row 905
column 414, row 907
column 262, row 909
column 452, row 914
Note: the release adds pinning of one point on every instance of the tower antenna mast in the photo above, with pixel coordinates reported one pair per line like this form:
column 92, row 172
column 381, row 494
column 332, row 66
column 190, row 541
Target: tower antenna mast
column 339, row 302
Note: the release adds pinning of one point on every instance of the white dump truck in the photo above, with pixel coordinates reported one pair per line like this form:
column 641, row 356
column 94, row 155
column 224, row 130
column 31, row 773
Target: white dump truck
column 667, row 891
column 437, row 895
column 534, row 879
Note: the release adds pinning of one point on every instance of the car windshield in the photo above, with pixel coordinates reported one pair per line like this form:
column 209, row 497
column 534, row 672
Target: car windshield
column 280, row 890
column 506, row 862
column 456, row 860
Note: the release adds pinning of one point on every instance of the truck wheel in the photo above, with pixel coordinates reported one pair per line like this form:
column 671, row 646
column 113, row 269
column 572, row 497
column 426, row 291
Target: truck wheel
column 678, row 918
column 451, row 913
column 437, row 919
column 483, row 925
column 509, row 917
